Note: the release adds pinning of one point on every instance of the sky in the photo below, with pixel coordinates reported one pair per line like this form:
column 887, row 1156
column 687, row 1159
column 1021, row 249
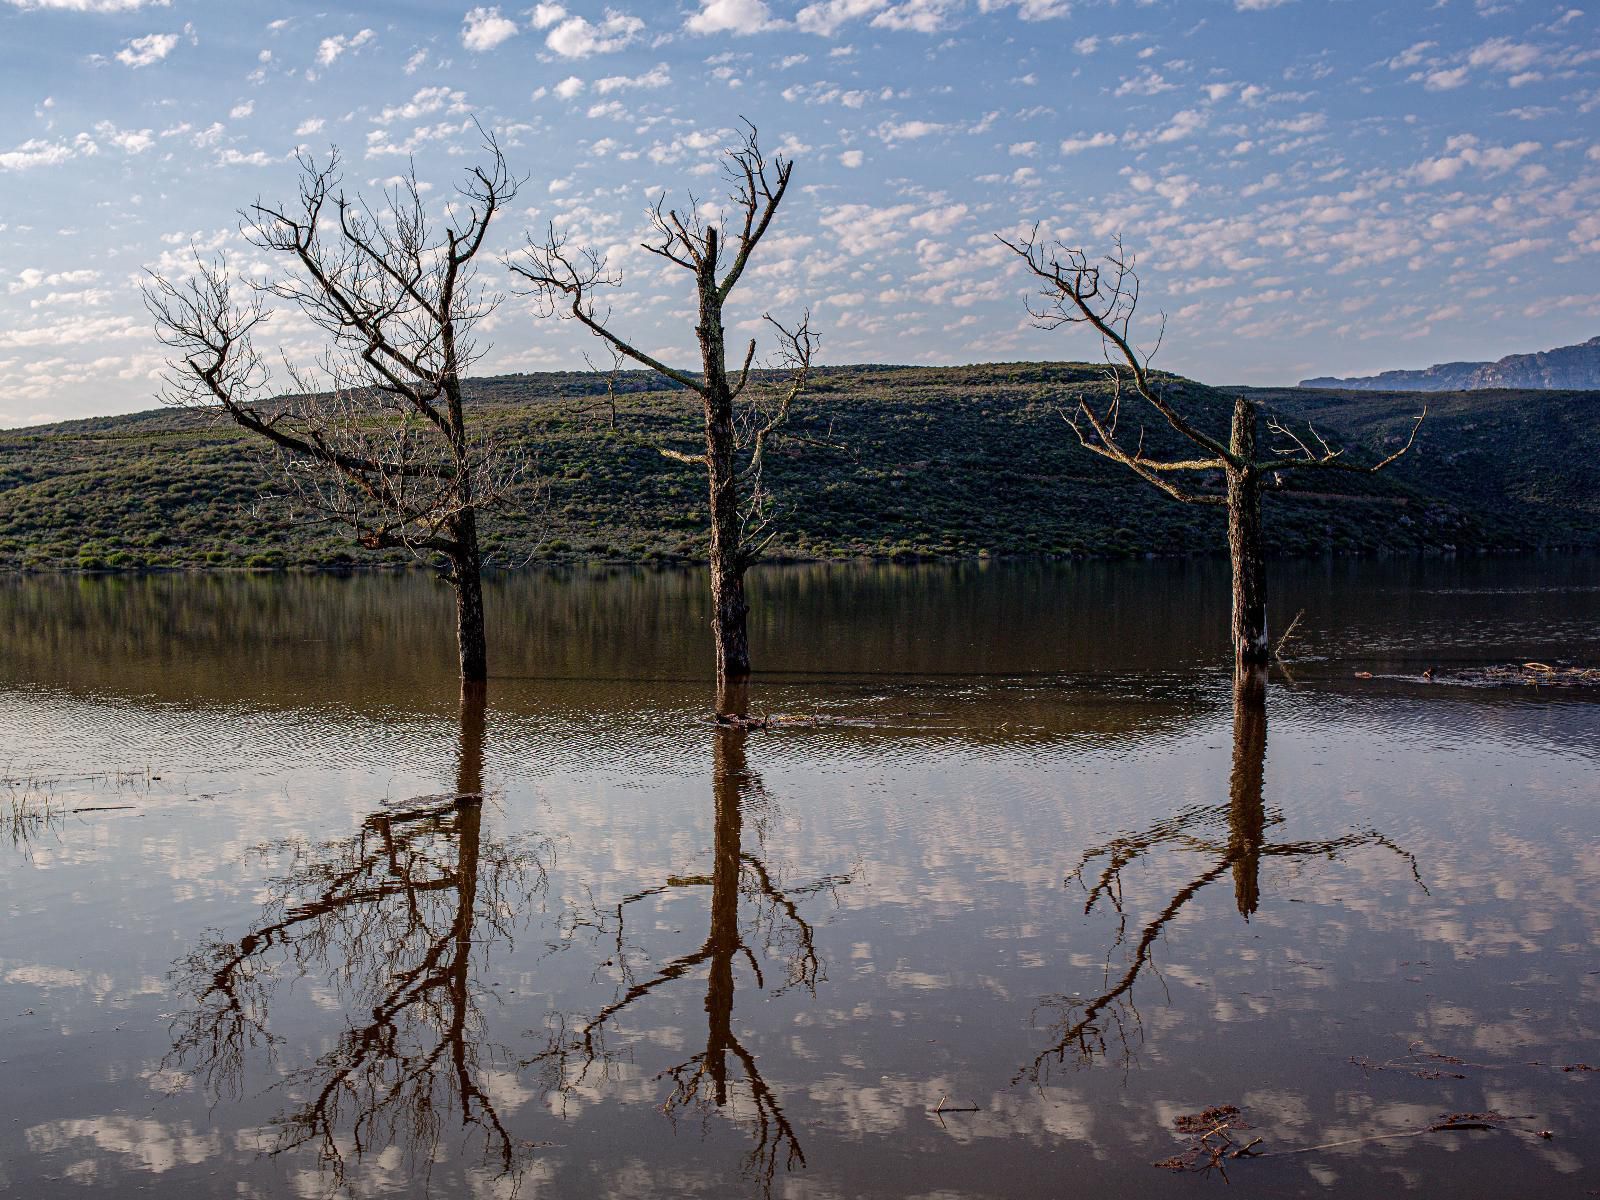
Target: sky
column 1309, row 187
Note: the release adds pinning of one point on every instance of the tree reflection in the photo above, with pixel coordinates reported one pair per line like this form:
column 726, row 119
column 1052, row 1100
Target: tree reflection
column 1230, row 838
column 398, row 919
column 753, row 920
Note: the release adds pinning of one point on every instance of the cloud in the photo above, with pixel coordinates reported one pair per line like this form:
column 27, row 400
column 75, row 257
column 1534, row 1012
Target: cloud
column 907, row 131
column 484, row 29
column 657, row 76
column 31, row 277
column 918, row 16
column 144, row 51
column 90, row 6
column 851, row 158
column 1030, row 10
column 1184, row 123
column 1464, row 150
column 732, row 16
column 1444, row 80
column 424, row 103
column 825, row 18
column 575, row 37
column 35, row 152
column 568, row 87
column 546, row 15
column 1094, row 141
column 1503, row 54
column 332, row 47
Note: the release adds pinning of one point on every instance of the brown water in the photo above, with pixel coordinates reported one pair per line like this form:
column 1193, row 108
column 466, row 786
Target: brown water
column 1012, row 888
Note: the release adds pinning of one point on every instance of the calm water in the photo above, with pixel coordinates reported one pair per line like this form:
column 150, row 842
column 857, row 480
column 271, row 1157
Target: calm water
column 1011, row 888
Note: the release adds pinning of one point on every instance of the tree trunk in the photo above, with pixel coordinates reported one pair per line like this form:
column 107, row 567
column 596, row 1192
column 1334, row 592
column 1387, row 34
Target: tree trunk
column 1250, row 646
column 466, row 576
column 728, row 607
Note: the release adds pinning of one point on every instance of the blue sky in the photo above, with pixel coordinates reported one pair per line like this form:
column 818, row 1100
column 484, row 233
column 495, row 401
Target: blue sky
column 1311, row 187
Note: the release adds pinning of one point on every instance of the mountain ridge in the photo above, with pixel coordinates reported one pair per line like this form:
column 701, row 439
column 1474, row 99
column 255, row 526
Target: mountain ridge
column 937, row 462
column 1565, row 367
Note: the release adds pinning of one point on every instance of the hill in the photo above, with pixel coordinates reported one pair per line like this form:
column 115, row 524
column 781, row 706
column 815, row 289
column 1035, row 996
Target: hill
column 1569, row 367
column 947, row 461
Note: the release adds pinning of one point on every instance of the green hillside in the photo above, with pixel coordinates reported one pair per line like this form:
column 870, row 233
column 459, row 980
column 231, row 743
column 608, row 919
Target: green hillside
column 947, row 461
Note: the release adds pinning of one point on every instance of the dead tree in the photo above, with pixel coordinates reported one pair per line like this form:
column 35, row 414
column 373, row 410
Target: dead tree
column 375, row 437
column 744, row 409
column 1104, row 296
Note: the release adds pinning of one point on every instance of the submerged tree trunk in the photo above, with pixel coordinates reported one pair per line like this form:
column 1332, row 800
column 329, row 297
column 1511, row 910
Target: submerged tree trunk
column 1244, row 544
column 466, row 576
column 728, row 606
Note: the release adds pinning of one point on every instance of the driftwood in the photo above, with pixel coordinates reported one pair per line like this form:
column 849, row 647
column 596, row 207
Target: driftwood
column 1214, row 1144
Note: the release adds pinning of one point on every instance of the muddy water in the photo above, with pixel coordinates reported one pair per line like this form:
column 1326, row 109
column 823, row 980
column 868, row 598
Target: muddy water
column 1010, row 885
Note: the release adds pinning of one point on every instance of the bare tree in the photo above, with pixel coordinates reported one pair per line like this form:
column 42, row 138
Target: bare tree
column 1104, row 296
column 374, row 437
column 744, row 409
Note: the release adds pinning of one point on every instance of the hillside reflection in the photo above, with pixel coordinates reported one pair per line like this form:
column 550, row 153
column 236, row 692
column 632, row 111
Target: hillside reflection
column 398, row 919
column 1230, row 839
column 754, row 925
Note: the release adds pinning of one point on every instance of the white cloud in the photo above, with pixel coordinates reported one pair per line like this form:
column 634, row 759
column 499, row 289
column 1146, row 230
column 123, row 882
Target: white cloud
column 907, row 131
column 240, row 111
column 546, row 15
column 918, row 16
column 31, row 277
column 35, row 153
column 851, row 158
column 1445, row 80
column 147, row 50
column 91, row 6
column 657, row 76
column 1094, row 141
column 332, row 47
column 425, row 103
column 568, row 87
column 826, row 17
column 237, row 158
column 309, row 126
column 731, row 16
column 1030, row 10
column 1184, row 123
column 575, row 37
column 484, row 29
column 1503, row 54
column 1464, row 150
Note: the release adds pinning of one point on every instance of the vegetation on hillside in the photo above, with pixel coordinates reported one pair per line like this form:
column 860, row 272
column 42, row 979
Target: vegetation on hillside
column 935, row 462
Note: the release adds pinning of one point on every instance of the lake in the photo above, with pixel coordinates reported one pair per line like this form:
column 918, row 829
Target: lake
column 1008, row 888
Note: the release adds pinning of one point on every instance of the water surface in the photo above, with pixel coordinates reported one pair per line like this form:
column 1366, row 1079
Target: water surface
column 1009, row 886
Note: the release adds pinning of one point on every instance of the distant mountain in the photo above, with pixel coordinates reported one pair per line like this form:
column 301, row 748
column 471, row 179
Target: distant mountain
column 1572, row 367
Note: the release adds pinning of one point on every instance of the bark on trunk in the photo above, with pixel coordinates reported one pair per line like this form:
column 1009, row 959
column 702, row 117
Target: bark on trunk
column 728, row 606
column 466, row 577
column 1245, row 550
